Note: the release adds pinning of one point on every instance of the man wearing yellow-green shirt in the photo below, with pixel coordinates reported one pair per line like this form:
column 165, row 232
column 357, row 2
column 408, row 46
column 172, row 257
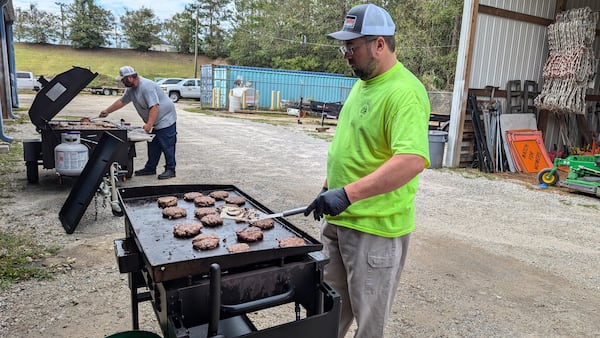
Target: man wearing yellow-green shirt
column 379, row 148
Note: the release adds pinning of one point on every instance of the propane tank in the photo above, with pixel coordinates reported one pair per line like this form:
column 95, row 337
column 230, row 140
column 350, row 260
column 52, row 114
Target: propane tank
column 70, row 157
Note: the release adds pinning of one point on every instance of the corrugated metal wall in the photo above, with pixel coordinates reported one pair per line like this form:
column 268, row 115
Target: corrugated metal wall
column 497, row 56
column 291, row 85
column 541, row 8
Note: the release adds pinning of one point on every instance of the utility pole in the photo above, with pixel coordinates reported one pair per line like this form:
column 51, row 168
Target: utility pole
column 62, row 21
column 196, row 47
column 116, row 37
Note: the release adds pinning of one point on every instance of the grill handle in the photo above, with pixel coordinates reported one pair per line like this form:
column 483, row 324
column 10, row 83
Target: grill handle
column 258, row 304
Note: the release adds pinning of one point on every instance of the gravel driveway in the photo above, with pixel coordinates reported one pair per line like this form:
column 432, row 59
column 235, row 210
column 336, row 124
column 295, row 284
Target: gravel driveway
column 489, row 257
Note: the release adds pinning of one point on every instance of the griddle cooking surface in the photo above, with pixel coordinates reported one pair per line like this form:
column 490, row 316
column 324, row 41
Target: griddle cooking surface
column 175, row 256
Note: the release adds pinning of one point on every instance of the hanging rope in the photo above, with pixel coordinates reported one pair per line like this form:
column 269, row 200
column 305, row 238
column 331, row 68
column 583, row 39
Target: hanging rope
column 571, row 65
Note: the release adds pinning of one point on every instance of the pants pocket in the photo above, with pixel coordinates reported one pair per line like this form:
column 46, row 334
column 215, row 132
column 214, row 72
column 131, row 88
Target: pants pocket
column 378, row 272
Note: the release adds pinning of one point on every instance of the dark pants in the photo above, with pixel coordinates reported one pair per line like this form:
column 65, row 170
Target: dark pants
column 163, row 143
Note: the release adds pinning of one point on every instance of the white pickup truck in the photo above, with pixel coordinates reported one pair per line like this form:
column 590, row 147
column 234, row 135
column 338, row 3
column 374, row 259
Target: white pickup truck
column 26, row 81
column 184, row 89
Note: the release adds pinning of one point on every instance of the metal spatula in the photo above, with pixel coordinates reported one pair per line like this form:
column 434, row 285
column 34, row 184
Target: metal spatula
column 245, row 215
column 285, row 213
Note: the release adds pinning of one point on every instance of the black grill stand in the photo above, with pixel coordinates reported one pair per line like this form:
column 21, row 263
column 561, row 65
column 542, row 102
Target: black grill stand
column 180, row 301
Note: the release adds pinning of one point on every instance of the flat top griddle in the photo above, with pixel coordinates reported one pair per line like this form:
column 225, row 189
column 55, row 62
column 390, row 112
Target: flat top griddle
column 170, row 257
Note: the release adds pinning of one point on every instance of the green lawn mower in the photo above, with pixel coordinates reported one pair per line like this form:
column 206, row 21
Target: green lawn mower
column 583, row 175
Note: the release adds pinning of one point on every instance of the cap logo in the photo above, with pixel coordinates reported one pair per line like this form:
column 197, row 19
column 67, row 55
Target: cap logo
column 349, row 22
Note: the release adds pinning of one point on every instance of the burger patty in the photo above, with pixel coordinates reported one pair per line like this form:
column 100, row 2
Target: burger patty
column 186, row 230
column 204, row 201
column 237, row 200
column 264, row 224
column 211, row 220
column 249, row 234
column 174, row 212
column 205, row 242
column 291, row 241
column 201, row 212
column 238, row 247
column 219, row 194
column 192, row 195
column 167, row 201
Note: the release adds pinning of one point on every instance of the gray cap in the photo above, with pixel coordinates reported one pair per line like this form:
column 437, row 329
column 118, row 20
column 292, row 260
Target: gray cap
column 364, row 20
column 125, row 71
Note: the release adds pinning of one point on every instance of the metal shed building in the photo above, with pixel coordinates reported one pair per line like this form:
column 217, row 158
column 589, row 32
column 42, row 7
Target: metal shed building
column 502, row 41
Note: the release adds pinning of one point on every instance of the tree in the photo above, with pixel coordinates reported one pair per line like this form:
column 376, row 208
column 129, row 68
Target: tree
column 284, row 34
column 179, row 30
column 212, row 16
column 140, row 28
column 427, row 32
column 245, row 48
column 63, row 34
column 201, row 25
column 293, row 35
column 35, row 25
column 89, row 25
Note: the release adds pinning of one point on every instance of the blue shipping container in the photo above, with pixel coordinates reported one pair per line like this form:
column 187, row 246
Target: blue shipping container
column 290, row 84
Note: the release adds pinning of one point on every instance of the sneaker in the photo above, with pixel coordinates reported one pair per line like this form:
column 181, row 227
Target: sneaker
column 169, row 173
column 144, row 172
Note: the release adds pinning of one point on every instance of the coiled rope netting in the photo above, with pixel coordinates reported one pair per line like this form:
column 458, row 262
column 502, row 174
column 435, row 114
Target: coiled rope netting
column 571, row 64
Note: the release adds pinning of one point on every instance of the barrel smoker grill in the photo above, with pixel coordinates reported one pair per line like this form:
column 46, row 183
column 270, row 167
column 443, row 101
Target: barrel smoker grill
column 210, row 293
column 48, row 102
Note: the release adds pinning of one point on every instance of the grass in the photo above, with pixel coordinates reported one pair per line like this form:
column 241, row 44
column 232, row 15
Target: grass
column 19, row 255
column 19, row 259
column 49, row 60
column 8, row 162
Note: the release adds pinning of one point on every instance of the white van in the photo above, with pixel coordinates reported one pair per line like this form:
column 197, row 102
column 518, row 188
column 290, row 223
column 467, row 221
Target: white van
column 26, row 81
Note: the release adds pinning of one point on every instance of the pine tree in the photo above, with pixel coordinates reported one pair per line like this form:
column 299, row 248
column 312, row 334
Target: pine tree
column 89, row 25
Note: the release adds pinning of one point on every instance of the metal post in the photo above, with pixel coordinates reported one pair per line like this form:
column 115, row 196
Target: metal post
column 196, row 47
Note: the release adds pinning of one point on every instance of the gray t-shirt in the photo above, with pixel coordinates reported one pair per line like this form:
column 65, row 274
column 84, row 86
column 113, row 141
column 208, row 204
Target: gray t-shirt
column 146, row 95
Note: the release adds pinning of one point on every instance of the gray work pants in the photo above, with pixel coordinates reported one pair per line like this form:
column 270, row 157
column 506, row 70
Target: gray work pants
column 365, row 270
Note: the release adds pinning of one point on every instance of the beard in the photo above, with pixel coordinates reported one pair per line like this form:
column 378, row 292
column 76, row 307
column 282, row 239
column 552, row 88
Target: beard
column 364, row 73
column 128, row 84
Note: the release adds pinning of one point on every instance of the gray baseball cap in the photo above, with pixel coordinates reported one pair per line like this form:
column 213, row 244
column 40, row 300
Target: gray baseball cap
column 125, row 71
column 366, row 19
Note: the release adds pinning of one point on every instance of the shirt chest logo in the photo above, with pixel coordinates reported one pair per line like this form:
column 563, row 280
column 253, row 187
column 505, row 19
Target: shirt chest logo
column 364, row 110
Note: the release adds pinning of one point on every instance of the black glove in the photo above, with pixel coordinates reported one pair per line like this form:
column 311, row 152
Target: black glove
column 307, row 211
column 322, row 191
column 329, row 202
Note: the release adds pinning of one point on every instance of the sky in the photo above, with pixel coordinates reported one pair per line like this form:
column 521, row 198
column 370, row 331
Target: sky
column 163, row 9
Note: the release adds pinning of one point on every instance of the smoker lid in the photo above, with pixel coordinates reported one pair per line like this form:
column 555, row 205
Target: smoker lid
column 57, row 93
